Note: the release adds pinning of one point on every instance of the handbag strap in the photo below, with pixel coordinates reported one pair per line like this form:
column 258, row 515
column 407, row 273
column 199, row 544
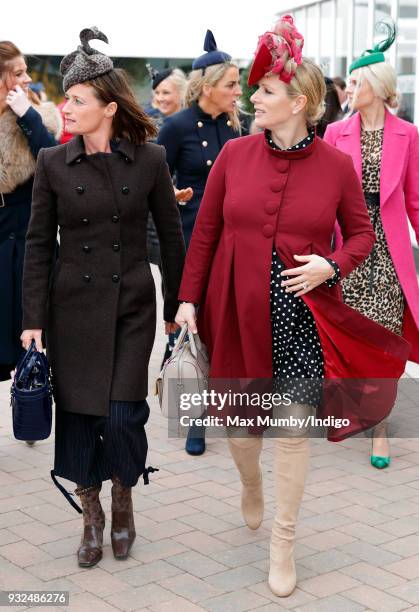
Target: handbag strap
column 194, row 341
column 181, row 339
column 66, row 494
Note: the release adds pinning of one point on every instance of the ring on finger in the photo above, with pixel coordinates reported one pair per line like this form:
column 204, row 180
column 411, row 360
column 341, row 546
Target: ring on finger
column 304, row 285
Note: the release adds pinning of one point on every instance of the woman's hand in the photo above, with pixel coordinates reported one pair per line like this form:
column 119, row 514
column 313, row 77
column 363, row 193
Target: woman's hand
column 186, row 314
column 170, row 327
column 183, row 195
column 308, row 276
column 32, row 334
column 18, row 101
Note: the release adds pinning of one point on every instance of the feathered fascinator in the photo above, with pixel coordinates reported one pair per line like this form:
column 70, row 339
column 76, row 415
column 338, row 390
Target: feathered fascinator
column 376, row 54
column 85, row 63
column 278, row 52
column 156, row 76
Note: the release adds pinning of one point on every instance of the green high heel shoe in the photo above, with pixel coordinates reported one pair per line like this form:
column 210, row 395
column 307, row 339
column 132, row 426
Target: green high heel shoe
column 380, row 462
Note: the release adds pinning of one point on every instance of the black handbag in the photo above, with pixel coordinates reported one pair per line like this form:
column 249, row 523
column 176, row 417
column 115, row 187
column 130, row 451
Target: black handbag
column 31, row 397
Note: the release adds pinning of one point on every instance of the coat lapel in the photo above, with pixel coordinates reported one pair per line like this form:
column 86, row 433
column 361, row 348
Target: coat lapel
column 395, row 143
column 350, row 142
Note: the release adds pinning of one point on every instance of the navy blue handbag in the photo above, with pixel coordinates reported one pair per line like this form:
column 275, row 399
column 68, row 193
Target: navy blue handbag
column 31, row 397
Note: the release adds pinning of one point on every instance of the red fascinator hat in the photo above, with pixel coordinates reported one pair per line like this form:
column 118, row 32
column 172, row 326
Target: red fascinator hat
column 278, row 52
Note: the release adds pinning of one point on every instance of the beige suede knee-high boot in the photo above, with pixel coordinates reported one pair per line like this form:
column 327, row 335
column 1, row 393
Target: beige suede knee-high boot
column 291, row 464
column 246, row 455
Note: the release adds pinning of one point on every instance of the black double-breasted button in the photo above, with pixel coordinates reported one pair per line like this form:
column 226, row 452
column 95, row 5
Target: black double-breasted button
column 12, row 236
column 125, row 190
column 115, row 218
column 80, row 189
column 86, row 278
column 115, row 278
column 85, row 221
column 86, row 248
column 116, row 246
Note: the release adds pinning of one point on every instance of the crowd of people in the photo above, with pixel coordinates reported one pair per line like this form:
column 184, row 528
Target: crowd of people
column 298, row 268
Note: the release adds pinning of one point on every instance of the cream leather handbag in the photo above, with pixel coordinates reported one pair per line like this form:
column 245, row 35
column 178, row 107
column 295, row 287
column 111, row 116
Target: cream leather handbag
column 184, row 374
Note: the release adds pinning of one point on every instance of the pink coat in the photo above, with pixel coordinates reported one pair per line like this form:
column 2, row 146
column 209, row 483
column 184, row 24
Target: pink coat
column 399, row 201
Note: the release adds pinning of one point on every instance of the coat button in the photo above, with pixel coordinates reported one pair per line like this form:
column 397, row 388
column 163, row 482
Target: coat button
column 115, row 278
column 282, row 165
column 229, row 123
column 80, row 189
column 126, row 159
column 86, row 278
column 86, row 248
column 271, row 208
column 209, row 162
column 200, row 124
column 12, row 236
column 277, row 186
column 116, row 246
column 204, row 143
column 268, row 230
column 115, row 218
column 125, row 190
column 85, row 221
column 78, row 160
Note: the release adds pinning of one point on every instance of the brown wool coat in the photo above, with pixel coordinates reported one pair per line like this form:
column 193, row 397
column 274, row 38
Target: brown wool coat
column 97, row 301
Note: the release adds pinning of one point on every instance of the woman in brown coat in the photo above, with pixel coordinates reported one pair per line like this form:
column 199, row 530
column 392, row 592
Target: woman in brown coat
column 97, row 302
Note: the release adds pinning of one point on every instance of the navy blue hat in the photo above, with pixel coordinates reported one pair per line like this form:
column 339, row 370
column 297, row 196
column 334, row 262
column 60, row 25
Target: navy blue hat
column 212, row 55
column 156, row 76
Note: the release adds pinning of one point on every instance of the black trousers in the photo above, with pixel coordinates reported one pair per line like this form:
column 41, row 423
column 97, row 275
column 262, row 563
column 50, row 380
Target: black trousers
column 90, row 449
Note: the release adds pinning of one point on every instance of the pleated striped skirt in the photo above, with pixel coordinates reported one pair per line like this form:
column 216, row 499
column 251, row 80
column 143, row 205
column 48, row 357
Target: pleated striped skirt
column 90, row 449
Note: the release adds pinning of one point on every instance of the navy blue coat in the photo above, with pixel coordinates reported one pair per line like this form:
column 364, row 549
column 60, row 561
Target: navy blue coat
column 193, row 139
column 15, row 210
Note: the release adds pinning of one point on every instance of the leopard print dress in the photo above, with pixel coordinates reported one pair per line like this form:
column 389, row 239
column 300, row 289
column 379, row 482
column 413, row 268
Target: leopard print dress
column 373, row 288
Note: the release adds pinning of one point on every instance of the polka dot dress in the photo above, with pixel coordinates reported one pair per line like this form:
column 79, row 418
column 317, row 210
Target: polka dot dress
column 297, row 354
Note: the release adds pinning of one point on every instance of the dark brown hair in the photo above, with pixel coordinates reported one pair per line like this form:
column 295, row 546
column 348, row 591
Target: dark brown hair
column 8, row 52
column 339, row 82
column 130, row 121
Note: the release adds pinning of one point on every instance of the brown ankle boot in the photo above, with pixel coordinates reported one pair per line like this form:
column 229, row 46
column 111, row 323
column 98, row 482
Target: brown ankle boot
column 90, row 551
column 123, row 528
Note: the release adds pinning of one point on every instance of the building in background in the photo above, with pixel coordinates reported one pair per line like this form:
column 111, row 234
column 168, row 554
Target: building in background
column 337, row 31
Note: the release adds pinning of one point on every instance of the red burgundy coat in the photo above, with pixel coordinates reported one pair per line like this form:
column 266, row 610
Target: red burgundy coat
column 256, row 197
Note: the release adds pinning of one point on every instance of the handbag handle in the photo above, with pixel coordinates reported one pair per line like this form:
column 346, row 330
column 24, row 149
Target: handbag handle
column 194, row 341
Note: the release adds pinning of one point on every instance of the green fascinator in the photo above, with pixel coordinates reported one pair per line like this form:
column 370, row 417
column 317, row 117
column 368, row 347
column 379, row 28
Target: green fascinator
column 376, row 54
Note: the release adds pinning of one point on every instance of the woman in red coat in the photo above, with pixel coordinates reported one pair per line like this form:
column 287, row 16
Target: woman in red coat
column 261, row 267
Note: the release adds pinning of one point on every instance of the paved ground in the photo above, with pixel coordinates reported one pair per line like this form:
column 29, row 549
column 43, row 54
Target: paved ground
column 358, row 537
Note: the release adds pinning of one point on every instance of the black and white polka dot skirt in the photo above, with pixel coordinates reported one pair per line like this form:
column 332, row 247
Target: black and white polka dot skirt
column 297, row 355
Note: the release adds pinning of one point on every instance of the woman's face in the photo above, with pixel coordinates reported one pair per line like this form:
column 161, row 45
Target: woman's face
column 83, row 112
column 167, row 97
column 225, row 94
column 16, row 75
column 273, row 106
column 360, row 92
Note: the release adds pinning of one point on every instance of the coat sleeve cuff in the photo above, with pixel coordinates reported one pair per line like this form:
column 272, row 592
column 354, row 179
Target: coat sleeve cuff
column 34, row 323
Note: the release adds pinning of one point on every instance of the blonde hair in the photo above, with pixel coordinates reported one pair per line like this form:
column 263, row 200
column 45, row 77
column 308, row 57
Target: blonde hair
column 179, row 80
column 383, row 80
column 309, row 81
column 212, row 75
